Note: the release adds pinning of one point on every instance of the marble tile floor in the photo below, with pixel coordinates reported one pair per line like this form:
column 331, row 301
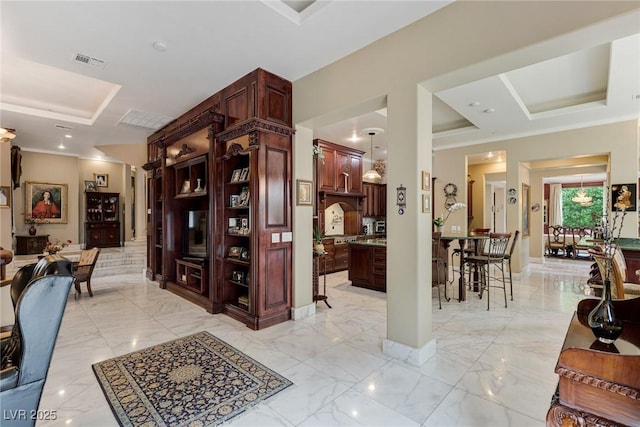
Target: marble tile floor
column 491, row 368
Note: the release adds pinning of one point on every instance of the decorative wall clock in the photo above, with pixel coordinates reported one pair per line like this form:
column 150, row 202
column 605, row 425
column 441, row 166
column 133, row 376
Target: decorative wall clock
column 450, row 193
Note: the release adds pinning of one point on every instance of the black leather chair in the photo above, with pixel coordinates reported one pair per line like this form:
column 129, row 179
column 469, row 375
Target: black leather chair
column 26, row 354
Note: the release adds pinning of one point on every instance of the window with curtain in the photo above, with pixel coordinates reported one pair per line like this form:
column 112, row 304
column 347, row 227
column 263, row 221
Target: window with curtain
column 577, row 215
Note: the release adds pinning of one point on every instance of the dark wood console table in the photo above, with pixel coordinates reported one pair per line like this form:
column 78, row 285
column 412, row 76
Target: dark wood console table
column 31, row 245
column 599, row 384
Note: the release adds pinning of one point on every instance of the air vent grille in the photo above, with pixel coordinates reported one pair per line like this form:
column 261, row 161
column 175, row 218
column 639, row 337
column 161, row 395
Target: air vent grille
column 89, row 60
column 65, row 127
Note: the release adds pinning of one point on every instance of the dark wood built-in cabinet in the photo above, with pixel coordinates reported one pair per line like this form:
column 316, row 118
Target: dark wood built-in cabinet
column 30, row 245
column 219, row 194
column 254, row 215
column 368, row 266
column 102, row 219
column 340, row 170
column 375, row 202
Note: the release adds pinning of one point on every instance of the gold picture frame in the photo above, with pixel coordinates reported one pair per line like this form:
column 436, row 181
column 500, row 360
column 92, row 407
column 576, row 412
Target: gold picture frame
column 51, row 207
column 426, row 181
column 304, row 192
column 426, row 203
column 5, row 196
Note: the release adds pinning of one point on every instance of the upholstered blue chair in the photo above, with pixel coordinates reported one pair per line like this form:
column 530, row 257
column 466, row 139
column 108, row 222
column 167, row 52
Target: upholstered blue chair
column 26, row 354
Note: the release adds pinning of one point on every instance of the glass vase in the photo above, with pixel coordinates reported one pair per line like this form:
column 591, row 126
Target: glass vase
column 604, row 323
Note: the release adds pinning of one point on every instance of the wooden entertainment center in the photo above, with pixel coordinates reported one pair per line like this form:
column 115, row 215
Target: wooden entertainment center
column 227, row 163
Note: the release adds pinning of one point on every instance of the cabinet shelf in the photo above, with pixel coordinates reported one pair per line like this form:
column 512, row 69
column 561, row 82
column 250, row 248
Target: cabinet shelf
column 190, row 195
column 237, row 261
column 244, row 285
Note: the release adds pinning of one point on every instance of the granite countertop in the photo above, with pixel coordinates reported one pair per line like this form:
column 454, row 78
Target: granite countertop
column 370, row 242
column 628, row 243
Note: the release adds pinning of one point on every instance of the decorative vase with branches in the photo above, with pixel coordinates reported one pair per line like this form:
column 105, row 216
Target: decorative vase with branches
column 604, row 323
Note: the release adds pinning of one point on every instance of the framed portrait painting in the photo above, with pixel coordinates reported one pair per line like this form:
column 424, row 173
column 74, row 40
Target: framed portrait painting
column 101, row 179
column 46, row 201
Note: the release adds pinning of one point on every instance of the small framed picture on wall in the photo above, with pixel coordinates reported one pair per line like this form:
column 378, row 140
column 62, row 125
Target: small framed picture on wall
column 101, row 179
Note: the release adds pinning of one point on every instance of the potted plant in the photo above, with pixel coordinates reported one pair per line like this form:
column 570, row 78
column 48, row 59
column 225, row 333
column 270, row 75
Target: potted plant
column 318, row 247
column 438, row 223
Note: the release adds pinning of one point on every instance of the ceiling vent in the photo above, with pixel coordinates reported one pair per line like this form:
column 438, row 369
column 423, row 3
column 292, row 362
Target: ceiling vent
column 88, row 60
column 64, row 127
column 142, row 119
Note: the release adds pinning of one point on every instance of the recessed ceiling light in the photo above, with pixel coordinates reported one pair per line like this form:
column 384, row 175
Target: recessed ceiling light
column 489, row 110
column 68, row 136
column 61, row 146
column 474, row 104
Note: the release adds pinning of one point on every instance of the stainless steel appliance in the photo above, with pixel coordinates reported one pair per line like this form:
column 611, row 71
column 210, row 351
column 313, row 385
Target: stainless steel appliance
column 381, row 227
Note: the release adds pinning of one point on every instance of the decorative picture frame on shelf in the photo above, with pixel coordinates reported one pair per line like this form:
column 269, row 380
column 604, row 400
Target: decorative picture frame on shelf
column 51, row 207
column 244, row 175
column 244, row 254
column 90, row 186
column 101, row 179
column 243, row 199
column 426, row 181
column 5, row 196
column 304, row 192
column 234, row 252
column 233, row 200
column 235, row 176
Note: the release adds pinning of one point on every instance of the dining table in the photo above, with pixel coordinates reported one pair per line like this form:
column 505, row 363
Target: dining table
column 475, row 239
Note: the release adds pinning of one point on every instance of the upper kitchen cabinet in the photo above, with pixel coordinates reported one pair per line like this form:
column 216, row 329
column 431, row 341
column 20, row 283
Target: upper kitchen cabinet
column 340, row 170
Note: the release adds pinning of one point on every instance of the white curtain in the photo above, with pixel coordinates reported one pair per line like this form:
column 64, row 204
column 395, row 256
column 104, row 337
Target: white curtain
column 555, row 204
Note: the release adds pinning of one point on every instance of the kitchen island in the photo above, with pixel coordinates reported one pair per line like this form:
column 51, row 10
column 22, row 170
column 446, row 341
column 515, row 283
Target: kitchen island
column 368, row 264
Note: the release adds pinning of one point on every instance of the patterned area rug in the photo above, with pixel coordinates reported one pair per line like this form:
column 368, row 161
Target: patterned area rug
column 198, row 380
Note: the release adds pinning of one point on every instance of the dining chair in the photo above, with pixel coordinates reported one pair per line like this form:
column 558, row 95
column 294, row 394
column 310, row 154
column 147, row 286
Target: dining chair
column 580, row 233
column 438, row 266
column 83, row 269
column 556, row 240
column 468, row 250
column 615, row 262
column 507, row 259
column 492, row 253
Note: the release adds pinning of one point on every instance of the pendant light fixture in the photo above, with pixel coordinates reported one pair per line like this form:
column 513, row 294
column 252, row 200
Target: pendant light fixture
column 372, row 175
column 581, row 197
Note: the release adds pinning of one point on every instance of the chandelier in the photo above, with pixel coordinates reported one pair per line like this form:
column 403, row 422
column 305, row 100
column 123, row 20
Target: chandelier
column 7, row 134
column 581, row 197
column 372, row 174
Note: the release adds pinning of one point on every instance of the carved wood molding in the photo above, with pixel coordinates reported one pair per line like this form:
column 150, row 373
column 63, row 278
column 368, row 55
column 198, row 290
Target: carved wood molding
column 173, row 132
column 236, row 149
column 622, row 390
column 253, row 125
column 563, row 416
column 184, row 151
column 152, row 165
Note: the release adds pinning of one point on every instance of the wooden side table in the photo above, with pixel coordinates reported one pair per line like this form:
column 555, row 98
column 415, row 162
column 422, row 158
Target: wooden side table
column 599, row 384
column 31, row 245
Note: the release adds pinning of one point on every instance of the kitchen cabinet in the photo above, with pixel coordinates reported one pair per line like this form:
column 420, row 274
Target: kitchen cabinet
column 375, row 203
column 368, row 265
column 340, row 170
